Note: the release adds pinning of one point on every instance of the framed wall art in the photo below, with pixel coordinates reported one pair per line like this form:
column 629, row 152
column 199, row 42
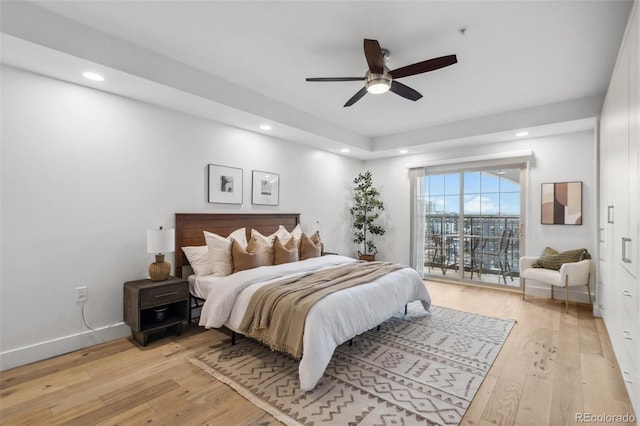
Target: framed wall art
column 225, row 184
column 562, row 203
column 265, row 188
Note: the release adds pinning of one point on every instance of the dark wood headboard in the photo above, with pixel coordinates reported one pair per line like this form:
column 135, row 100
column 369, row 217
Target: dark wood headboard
column 189, row 227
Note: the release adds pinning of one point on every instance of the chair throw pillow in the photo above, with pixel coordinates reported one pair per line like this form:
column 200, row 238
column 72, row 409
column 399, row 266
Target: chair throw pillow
column 552, row 259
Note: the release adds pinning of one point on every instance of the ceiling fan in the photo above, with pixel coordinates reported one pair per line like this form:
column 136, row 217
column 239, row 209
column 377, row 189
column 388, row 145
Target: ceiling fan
column 380, row 79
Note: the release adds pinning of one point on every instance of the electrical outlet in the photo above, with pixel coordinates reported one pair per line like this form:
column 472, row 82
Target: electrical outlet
column 82, row 294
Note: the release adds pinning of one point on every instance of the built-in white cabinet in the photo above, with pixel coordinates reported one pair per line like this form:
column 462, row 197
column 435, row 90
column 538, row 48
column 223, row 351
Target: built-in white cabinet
column 619, row 230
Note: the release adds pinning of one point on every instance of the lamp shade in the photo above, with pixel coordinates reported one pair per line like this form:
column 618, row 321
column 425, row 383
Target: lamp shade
column 161, row 240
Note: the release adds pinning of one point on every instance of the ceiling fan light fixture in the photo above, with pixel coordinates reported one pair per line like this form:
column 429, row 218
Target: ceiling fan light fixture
column 379, row 79
column 378, row 83
column 378, row 87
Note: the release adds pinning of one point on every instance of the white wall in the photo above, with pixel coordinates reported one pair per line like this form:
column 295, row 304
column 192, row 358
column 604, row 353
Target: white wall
column 560, row 158
column 86, row 173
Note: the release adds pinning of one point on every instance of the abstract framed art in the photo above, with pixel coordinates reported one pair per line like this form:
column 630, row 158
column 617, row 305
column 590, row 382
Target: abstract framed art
column 225, row 184
column 561, row 203
column 265, row 188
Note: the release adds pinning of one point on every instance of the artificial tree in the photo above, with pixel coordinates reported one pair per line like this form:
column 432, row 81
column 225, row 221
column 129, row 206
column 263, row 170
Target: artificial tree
column 365, row 210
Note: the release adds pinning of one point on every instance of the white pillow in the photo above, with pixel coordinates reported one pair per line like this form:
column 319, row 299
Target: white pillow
column 285, row 235
column 263, row 238
column 297, row 232
column 282, row 234
column 198, row 258
column 220, row 250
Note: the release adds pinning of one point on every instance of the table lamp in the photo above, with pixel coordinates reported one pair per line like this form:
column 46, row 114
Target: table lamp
column 160, row 241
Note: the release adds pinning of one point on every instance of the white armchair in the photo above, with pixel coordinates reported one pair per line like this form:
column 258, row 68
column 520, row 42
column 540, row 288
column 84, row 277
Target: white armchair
column 569, row 275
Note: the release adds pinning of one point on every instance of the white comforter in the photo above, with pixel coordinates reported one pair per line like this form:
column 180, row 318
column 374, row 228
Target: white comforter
column 331, row 322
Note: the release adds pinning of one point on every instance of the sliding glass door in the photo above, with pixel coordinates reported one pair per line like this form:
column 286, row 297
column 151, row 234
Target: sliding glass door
column 472, row 225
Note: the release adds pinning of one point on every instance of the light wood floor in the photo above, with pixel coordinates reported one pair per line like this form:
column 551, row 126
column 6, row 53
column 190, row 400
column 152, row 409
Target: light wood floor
column 552, row 366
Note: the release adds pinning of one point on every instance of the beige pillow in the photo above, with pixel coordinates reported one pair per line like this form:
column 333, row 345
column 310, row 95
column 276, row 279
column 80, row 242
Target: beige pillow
column 253, row 256
column 310, row 246
column 266, row 241
column 264, row 246
column 285, row 253
column 316, row 239
column 220, row 250
column 198, row 258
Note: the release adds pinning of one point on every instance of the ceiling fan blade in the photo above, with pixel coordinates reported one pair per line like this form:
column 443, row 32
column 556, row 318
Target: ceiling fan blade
column 355, row 98
column 404, row 91
column 336, row 79
column 373, row 53
column 424, row 66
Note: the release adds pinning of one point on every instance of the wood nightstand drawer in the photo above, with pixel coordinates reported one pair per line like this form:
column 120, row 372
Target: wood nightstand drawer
column 162, row 295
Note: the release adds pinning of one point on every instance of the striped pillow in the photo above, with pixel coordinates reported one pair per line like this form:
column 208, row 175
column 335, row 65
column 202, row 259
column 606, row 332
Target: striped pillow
column 551, row 259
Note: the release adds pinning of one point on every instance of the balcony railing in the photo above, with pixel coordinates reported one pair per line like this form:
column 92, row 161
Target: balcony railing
column 490, row 245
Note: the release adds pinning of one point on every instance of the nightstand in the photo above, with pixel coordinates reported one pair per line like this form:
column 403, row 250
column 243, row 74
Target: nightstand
column 151, row 306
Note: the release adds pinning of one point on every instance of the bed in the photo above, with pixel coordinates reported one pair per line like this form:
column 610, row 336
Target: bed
column 333, row 320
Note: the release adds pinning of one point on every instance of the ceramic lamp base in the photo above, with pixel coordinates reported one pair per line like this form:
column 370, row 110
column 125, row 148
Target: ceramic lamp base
column 159, row 270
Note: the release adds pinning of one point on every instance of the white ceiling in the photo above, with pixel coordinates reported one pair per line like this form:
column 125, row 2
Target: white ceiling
column 254, row 56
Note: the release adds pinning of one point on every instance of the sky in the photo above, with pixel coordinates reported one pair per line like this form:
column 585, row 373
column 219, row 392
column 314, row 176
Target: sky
column 487, row 193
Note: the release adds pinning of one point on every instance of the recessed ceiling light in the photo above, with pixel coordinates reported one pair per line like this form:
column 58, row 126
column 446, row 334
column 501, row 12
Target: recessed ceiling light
column 501, row 172
column 521, row 134
column 265, row 127
column 345, row 150
column 403, row 151
column 92, row 76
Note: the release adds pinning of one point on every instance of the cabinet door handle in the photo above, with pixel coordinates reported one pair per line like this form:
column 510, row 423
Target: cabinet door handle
column 609, row 214
column 625, row 259
column 600, row 237
column 626, row 293
column 166, row 294
column 626, row 376
column 627, row 334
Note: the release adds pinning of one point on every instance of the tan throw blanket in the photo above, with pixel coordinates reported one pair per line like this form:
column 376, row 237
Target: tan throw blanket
column 276, row 312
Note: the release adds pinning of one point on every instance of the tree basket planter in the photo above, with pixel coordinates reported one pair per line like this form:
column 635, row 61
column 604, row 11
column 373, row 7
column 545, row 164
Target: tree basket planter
column 367, row 257
column 365, row 211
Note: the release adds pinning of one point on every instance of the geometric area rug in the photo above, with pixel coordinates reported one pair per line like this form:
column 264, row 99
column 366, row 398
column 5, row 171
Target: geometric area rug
column 419, row 368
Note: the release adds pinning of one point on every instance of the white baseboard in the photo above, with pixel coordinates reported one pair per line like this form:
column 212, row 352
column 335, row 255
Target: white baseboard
column 62, row 345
